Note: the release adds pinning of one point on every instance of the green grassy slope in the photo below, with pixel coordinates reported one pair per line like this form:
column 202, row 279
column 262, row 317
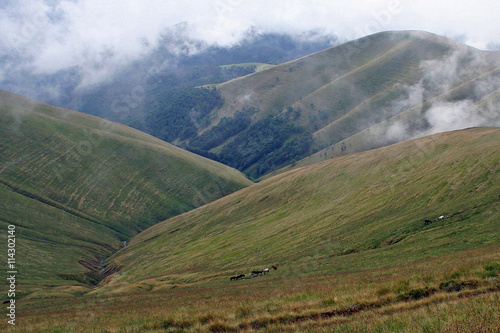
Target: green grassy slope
column 76, row 186
column 360, row 85
column 350, row 213
column 318, row 74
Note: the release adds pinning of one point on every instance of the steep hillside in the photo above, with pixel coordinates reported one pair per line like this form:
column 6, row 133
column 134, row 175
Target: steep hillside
column 76, row 187
column 351, row 213
column 393, row 84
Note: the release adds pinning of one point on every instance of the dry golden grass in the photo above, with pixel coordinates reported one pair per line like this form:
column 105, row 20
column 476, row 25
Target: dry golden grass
column 366, row 301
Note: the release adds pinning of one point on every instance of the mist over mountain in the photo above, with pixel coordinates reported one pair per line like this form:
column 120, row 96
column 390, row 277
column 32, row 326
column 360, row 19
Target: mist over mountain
column 119, row 93
column 306, row 95
column 359, row 95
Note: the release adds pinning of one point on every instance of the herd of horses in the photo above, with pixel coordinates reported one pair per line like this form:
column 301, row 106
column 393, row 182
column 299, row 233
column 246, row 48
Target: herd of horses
column 255, row 273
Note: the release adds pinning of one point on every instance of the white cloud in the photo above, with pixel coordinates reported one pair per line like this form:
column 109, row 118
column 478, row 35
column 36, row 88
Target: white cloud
column 101, row 35
column 476, row 21
column 452, row 116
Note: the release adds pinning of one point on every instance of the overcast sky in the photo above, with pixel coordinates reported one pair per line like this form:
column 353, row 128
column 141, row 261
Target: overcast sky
column 52, row 35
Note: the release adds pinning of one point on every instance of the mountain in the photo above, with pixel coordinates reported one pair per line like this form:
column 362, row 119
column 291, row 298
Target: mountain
column 77, row 187
column 126, row 92
column 352, row 213
column 310, row 100
column 367, row 93
column 119, row 231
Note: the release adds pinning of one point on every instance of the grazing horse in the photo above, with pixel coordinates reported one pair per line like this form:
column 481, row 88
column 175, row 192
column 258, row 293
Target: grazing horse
column 257, row 272
column 265, row 271
column 237, row 277
column 274, row 267
column 427, row 222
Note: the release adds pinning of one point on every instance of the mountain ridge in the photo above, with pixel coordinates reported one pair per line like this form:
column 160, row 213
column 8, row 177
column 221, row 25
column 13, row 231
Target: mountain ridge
column 343, row 90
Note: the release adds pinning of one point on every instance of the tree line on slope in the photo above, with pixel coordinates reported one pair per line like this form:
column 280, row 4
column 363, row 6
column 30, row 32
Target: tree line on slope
column 258, row 148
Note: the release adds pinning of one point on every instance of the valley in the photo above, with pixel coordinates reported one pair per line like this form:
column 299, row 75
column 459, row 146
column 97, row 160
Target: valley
column 78, row 187
column 356, row 212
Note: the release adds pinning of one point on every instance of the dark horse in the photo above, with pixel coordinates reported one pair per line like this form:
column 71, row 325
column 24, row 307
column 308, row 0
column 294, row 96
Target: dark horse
column 257, row 272
column 237, row 277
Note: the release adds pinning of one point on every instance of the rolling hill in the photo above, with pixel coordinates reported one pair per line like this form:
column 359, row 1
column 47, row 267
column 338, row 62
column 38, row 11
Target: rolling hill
column 357, row 240
column 351, row 213
column 360, row 95
column 78, row 187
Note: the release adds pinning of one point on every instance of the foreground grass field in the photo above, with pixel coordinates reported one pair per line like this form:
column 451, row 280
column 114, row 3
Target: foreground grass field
column 458, row 292
column 349, row 237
